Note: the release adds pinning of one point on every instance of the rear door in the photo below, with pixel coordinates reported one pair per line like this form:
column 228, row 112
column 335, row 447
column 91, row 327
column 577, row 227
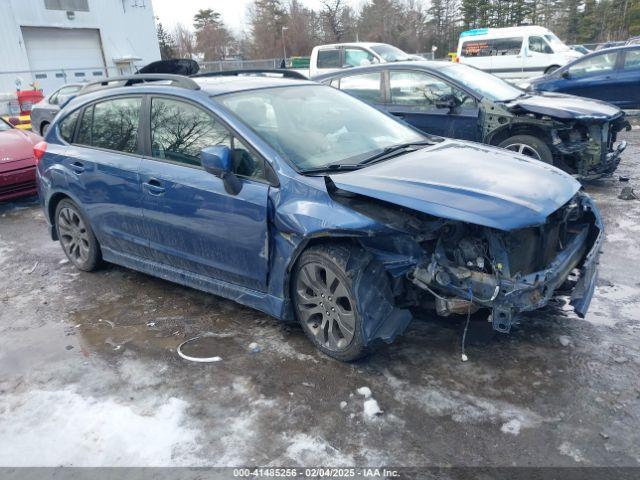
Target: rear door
column 102, row 172
column 593, row 77
column 415, row 95
column 192, row 223
column 365, row 86
column 628, row 80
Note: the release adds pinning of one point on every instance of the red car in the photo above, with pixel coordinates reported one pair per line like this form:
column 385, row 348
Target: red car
column 17, row 162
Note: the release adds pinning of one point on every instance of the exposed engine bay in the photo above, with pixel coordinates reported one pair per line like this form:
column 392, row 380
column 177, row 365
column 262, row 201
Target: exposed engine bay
column 584, row 146
column 460, row 268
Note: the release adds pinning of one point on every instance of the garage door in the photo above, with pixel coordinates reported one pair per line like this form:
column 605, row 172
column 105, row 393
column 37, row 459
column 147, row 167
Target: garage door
column 56, row 52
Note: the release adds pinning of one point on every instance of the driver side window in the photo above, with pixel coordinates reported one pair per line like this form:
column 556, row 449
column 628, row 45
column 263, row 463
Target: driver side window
column 597, row 64
column 179, row 131
column 422, row 91
column 537, row 44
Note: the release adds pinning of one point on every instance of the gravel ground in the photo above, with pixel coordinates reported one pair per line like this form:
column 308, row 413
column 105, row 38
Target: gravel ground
column 89, row 373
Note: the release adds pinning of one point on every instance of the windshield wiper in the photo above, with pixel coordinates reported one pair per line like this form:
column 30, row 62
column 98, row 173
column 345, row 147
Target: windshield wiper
column 393, row 150
column 333, row 167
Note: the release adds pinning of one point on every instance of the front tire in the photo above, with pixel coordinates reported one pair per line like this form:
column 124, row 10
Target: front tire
column 44, row 128
column 551, row 69
column 322, row 288
column 76, row 237
column 529, row 146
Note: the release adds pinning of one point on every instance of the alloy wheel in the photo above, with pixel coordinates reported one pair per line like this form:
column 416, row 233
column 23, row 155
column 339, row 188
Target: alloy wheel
column 73, row 235
column 325, row 306
column 524, row 149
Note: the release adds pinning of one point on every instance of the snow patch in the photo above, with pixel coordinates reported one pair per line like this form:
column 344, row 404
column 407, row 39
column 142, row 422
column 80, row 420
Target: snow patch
column 512, row 427
column 371, row 408
column 314, row 451
column 569, row 450
column 63, row 428
column 364, row 391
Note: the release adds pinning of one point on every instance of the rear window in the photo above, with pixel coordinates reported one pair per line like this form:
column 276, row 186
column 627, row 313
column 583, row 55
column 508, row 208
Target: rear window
column 68, row 126
column 492, row 47
column 366, row 86
column 632, row 60
column 329, row 59
column 112, row 125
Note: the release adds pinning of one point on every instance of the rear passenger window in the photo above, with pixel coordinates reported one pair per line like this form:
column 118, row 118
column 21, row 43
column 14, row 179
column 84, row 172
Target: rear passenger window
column 365, row 87
column 68, row 126
column 494, row 47
column 329, row 59
column 179, row 131
column 112, row 125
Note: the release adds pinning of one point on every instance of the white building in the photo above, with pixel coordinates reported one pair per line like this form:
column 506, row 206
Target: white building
column 52, row 42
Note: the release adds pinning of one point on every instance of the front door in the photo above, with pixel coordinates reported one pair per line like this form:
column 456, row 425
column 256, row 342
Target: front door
column 417, row 96
column 191, row 221
column 590, row 77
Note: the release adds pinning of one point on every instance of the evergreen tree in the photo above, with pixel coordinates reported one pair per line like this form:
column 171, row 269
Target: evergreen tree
column 166, row 43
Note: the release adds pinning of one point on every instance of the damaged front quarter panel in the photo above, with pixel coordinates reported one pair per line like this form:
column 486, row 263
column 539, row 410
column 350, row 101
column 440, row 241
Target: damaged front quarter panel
column 582, row 138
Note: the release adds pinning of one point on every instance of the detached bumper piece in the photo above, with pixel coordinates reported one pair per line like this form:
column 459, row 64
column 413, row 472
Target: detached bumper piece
column 608, row 165
column 572, row 271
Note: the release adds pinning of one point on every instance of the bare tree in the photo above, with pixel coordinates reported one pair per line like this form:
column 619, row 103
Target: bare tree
column 185, row 42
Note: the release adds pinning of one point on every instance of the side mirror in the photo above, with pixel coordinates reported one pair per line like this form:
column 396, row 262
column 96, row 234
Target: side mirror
column 565, row 74
column 218, row 161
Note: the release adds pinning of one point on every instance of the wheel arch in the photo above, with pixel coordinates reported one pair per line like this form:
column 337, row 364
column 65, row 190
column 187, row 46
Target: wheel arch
column 42, row 124
column 497, row 136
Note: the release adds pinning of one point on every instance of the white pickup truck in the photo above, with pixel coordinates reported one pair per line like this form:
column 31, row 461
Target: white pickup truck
column 329, row 58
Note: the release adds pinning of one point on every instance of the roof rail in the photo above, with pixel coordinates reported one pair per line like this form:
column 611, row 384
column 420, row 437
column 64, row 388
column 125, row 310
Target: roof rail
column 256, row 72
column 129, row 80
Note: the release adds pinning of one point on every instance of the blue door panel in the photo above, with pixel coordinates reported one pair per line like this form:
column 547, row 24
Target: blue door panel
column 107, row 184
column 193, row 224
column 461, row 124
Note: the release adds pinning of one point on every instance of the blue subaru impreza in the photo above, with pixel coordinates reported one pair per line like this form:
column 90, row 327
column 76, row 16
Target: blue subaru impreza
column 309, row 205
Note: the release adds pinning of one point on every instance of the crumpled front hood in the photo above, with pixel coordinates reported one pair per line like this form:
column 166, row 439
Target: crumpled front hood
column 468, row 182
column 565, row 107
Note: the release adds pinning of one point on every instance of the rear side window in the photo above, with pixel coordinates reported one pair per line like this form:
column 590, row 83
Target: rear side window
column 632, row 60
column 68, row 126
column 365, row 87
column 112, row 125
column 537, row 44
column 329, row 59
column 492, row 48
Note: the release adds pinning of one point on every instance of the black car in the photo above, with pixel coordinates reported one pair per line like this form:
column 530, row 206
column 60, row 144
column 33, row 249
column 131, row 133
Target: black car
column 575, row 134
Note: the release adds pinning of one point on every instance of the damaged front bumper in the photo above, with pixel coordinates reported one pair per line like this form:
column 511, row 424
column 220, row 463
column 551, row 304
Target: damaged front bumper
column 607, row 166
column 572, row 272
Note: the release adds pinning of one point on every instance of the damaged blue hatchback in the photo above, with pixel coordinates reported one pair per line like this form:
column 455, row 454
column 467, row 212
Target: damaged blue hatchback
column 305, row 203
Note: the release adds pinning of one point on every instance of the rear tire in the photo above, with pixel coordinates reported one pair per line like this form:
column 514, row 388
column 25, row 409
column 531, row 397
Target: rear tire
column 529, row 146
column 551, row 69
column 76, row 237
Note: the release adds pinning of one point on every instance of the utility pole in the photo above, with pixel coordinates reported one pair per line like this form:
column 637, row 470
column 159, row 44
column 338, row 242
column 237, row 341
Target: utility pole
column 284, row 47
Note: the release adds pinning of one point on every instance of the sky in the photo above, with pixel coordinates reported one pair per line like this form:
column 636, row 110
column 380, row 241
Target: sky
column 234, row 12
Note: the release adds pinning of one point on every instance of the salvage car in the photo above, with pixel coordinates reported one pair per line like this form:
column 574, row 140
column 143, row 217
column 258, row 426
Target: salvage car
column 43, row 112
column 611, row 75
column 303, row 202
column 458, row 101
column 17, row 162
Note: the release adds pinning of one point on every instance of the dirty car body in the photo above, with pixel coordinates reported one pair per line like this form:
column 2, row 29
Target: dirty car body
column 403, row 220
column 578, row 135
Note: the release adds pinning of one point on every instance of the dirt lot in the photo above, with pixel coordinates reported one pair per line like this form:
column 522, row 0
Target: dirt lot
column 89, row 373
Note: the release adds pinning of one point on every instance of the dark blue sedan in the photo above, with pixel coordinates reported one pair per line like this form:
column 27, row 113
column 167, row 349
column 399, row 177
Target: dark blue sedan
column 305, row 203
column 575, row 134
column 611, row 75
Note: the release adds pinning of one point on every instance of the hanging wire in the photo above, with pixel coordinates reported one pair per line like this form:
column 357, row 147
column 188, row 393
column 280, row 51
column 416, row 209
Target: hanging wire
column 466, row 327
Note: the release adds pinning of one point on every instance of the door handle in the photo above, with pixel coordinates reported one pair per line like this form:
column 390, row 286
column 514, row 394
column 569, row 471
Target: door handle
column 77, row 167
column 153, row 187
column 399, row 115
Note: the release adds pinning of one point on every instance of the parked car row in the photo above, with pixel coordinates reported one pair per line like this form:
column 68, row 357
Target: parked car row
column 306, row 203
column 457, row 101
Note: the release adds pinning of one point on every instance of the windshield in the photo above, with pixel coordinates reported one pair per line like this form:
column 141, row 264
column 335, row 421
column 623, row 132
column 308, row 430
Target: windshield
column 485, row 84
column 556, row 44
column 4, row 125
column 313, row 126
column 390, row 53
